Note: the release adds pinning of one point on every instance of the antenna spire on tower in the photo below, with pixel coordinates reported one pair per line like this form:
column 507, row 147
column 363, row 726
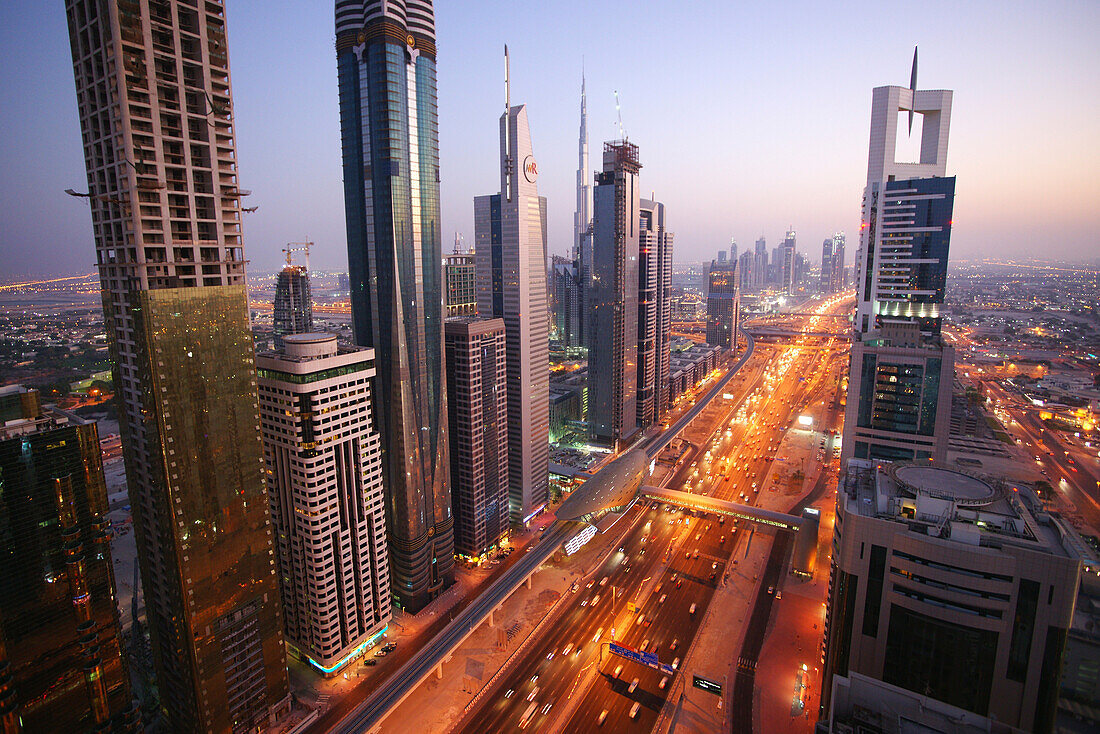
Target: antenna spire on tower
column 913, row 89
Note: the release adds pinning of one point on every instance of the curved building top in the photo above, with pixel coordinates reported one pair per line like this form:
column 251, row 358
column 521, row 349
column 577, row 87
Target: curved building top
column 410, row 21
column 614, row 486
column 947, row 484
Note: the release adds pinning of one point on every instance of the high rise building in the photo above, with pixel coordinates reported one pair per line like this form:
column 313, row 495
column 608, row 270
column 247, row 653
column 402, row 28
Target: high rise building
column 477, row 384
column 952, row 587
column 322, row 453
column 654, row 311
column 388, row 122
column 836, row 266
column 746, row 271
column 826, row 265
column 613, row 307
column 722, row 257
column 567, row 297
column 901, row 371
column 787, row 268
column 293, row 308
column 155, row 107
column 733, row 250
column 510, row 231
column 760, row 263
column 460, row 276
column 582, row 225
column 723, row 305
column 61, row 662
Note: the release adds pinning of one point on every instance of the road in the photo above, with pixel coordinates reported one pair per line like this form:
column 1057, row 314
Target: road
column 674, row 561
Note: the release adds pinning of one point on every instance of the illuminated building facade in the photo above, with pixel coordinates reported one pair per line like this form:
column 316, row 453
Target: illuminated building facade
column 322, row 455
column 386, row 64
column 654, row 311
column 723, row 305
column 62, row 667
column 461, row 280
column 293, row 307
column 155, row 107
column 477, row 388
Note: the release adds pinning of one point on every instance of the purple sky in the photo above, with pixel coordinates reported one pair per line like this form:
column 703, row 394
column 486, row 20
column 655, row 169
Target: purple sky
column 749, row 118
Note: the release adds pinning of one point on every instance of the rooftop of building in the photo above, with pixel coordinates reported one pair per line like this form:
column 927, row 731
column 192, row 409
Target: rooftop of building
column 32, row 416
column 311, row 346
column 960, row 506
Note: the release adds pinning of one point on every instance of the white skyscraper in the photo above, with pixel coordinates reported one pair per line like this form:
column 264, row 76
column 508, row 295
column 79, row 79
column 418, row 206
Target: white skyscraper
column 323, row 457
column 510, row 236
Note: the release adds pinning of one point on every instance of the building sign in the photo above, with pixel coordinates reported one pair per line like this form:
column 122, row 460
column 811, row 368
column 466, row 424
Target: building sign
column 705, row 684
column 530, row 169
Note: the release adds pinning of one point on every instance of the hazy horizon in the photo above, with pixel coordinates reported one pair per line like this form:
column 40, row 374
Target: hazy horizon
column 749, row 120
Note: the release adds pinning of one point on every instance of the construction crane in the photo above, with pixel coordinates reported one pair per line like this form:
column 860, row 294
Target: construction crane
column 297, row 247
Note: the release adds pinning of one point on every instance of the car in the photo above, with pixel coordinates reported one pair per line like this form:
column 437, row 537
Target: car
column 679, row 583
column 633, row 685
column 604, row 581
column 381, row 653
column 618, row 669
column 546, row 709
column 595, row 600
column 565, row 650
column 624, row 561
column 771, row 589
column 510, row 692
column 640, row 619
column 722, row 540
column 590, row 584
column 626, row 569
column 687, row 554
column 674, row 644
column 601, row 718
column 534, row 677
column 663, row 683
column 534, row 692
column 622, row 549
column 370, row 661
column 692, row 609
column 645, row 645
column 584, row 602
column 695, row 553
column 634, row 709
column 676, row 664
column 662, row 599
column 779, row 595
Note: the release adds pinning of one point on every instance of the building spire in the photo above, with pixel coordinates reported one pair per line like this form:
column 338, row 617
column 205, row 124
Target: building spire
column 913, row 89
column 583, row 215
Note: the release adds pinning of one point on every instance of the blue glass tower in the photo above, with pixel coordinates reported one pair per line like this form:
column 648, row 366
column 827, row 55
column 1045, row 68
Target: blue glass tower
column 386, row 61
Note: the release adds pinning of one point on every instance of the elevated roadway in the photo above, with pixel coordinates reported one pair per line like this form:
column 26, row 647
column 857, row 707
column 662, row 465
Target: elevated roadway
column 705, row 503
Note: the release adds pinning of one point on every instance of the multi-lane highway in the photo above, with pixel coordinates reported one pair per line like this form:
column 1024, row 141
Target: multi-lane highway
column 655, row 592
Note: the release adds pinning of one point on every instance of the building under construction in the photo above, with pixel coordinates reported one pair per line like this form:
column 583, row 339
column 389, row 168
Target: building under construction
column 293, row 297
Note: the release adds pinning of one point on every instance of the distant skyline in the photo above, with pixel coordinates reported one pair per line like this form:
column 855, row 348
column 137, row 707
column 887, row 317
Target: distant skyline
column 748, row 120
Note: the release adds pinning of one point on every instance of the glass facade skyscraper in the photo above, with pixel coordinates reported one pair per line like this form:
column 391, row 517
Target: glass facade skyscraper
column 386, row 61
column 61, row 664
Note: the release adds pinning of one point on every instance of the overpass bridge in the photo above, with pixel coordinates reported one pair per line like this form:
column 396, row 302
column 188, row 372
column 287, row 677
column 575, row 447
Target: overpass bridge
column 713, row 505
column 774, row 331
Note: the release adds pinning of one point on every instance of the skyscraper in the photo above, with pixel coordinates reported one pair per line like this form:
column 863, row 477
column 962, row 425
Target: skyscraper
column 510, row 232
column 59, row 633
column 723, row 305
column 760, row 262
column 155, row 105
column 293, row 308
column 459, row 274
column 746, row 271
column 386, row 60
column 567, row 297
column 952, row 587
column 477, row 383
column 901, row 370
column 323, row 458
column 826, row 265
column 582, row 226
column 733, row 250
column 654, row 311
column 653, row 223
column 836, row 266
column 613, row 307
column 786, row 267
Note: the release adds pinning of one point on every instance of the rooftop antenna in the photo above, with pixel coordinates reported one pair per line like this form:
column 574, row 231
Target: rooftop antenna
column 619, row 112
column 913, row 89
column 507, row 128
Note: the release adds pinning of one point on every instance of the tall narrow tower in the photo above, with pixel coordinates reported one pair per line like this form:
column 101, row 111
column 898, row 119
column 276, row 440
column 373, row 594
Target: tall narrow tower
column 510, row 234
column 155, row 103
column 386, row 62
column 582, row 219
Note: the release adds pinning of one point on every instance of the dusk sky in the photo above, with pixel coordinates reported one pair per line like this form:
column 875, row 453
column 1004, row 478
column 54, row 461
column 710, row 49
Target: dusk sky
column 750, row 117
